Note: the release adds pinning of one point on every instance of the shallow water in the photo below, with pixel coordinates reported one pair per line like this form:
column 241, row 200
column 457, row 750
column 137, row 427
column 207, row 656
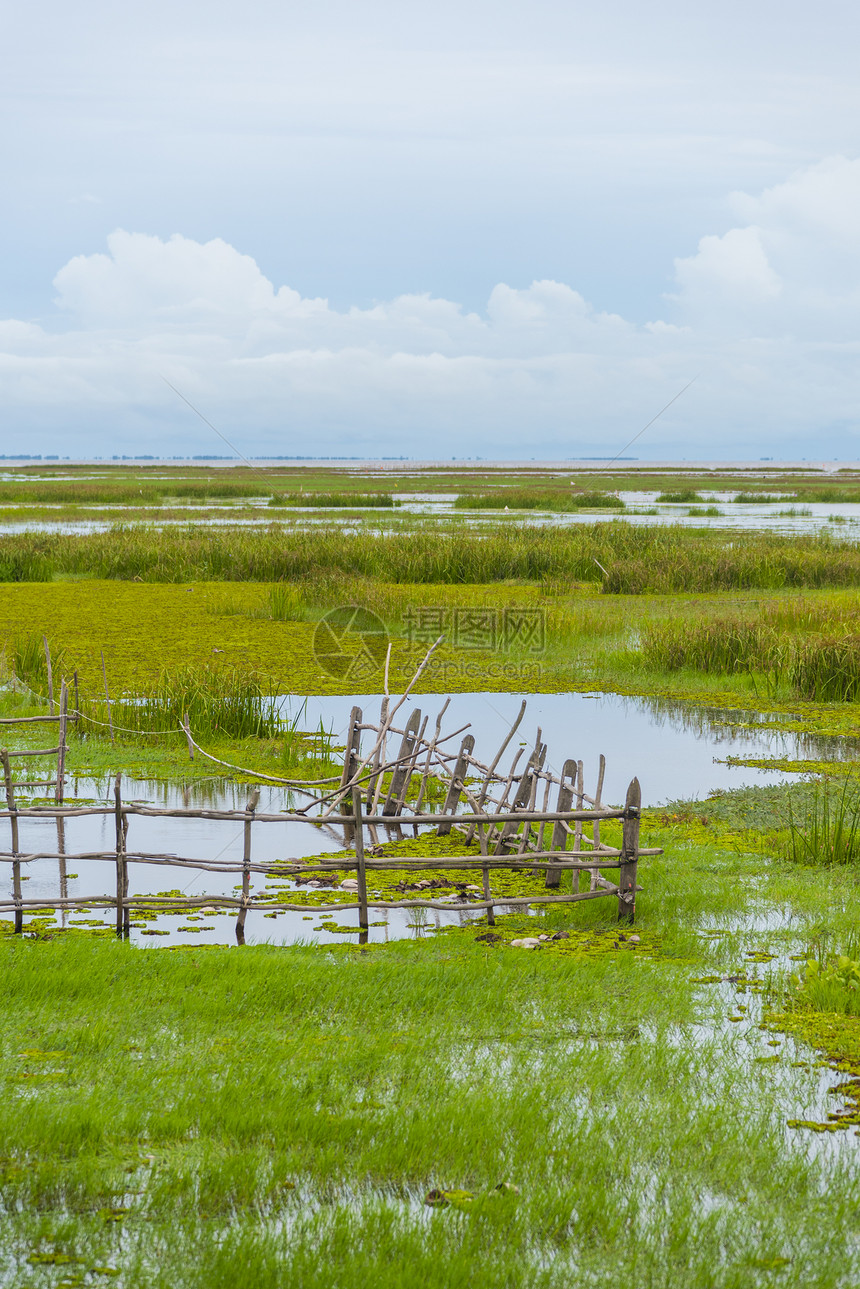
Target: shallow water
column 677, row 751
column 772, row 517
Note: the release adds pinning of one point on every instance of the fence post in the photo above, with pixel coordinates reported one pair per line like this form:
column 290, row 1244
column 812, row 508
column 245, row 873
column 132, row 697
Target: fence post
column 359, row 864
column 121, row 879
column 350, row 762
column 559, row 831
column 458, row 778
column 16, row 863
column 61, row 754
column 403, row 772
column 629, row 854
column 246, row 866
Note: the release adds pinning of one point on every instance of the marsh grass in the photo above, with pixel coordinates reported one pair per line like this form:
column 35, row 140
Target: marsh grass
column 335, row 500
column 219, row 700
column 813, row 649
column 827, row 830
column 538, row 499
column 273, row 1117
column 636, row 559
column 681, row 495
column 140, row 492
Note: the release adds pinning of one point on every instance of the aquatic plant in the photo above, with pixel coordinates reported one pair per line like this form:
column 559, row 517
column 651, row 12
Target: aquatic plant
column 827, row 832
column 681, row 495
column 830, row 983
column 623, row 558
column 218, row 699
column 538, row 499
column 334, row 500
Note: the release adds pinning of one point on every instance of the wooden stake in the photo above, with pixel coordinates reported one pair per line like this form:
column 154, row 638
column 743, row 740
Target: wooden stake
column 350, row 756
column 559, row 834
column 246, row 866
column 629, row 854
column 187, row 728
column 359, row 863
column 595, row 830
column 61, row 752
column 13, row 820
column 50, row 675
column 400, row 777
column 121, row 885
column 458, row 778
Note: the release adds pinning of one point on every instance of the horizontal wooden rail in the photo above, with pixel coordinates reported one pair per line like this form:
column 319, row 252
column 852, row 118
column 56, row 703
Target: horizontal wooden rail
column 287, row 817
column 235, row 902
column 290, row 868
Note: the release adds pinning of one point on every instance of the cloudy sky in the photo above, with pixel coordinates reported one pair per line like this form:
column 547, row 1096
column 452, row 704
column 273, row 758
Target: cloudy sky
column 475, row 228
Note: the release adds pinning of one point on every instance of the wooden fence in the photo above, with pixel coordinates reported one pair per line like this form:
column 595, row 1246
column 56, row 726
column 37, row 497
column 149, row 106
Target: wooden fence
column 525, row 818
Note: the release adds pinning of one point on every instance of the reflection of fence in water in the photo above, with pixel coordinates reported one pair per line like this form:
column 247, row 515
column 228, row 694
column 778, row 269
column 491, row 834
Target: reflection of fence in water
column 525, row 818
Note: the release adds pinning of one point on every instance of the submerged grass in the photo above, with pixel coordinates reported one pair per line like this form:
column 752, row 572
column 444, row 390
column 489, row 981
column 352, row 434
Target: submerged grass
column 169, row 1144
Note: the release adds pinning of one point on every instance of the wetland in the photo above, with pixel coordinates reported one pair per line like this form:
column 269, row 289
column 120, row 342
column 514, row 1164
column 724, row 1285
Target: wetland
column 438, row 1105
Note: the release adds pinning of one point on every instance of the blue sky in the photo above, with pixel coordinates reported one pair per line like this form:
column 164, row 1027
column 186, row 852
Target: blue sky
column 500, row 229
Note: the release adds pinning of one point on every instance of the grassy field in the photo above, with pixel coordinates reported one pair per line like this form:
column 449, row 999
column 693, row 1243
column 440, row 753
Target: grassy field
column 449, row 1110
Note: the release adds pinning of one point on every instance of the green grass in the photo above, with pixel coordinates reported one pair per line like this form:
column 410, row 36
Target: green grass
column 279, row 1117
column 681, row 495
column 329, row 500
column 619, row 557
column 826, row 830
column 538, row 499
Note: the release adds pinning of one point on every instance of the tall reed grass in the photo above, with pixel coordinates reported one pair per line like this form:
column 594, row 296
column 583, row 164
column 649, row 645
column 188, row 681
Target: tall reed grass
column 625, row 559
column 813, row 649
column 25, row 659
column 828, row 830
column 219, row 701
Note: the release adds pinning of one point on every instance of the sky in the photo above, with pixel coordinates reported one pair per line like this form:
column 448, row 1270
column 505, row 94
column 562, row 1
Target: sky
column 499, row 229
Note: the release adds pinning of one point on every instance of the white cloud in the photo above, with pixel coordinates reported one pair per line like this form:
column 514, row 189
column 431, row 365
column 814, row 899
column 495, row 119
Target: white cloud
column 768, row 312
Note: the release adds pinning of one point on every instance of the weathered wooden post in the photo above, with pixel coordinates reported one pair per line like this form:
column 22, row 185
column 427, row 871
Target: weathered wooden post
column 403, row 771
column 522, row 801
column 246, row 866
column 121, row 878
column 458, row 778
column 61, row 750
column 359, row 863
column 16, row 863
column 559, row 832
column 629, row 854
column 350, row 764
